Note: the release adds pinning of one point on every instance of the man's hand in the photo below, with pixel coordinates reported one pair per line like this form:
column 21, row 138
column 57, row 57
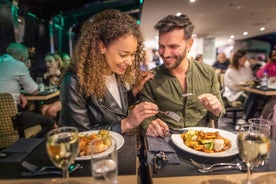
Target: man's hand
column 211, row 103
column 147, row 75
column 157, row 128
column 22, row 100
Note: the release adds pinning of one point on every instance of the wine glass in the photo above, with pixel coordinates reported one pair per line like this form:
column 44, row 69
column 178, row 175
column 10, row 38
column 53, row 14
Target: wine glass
column 264, row 122
column 253, row 142
column 62, row 147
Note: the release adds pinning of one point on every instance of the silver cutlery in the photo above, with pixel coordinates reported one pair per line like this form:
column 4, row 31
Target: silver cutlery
column 171, row 115
column 238, row 166
column 49, row 172
column 187, row 94
column 34, row 168
column 218, row 166
column 177, row 130
column 203, row 166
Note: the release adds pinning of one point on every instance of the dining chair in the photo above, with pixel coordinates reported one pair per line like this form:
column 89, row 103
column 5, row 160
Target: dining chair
column 234, row 107
column 9, row 132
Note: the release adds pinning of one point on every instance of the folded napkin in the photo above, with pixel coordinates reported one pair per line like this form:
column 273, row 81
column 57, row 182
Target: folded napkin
column 157, row 144
column 20, row 149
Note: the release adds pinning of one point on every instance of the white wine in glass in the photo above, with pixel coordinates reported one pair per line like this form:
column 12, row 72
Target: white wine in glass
column 62, row 147
column 254, row 146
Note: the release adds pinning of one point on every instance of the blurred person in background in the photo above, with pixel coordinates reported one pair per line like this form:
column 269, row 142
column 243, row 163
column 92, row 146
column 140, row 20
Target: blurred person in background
column 54, row 66
column 237, row 73
column 270, row 66
column 66, row 58
column 13, row 75
column 221, row 63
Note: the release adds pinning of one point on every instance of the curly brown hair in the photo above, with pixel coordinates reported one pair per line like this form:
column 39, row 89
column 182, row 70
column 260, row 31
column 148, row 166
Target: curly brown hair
column 89, row 63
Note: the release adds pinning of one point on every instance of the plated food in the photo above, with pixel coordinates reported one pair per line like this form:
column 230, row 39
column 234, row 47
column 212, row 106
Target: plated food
column 208, row 142
column 86, row 155
column 231, row 151
column 85, row 141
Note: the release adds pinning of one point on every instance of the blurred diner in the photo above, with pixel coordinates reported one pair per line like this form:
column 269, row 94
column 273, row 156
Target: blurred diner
column 221, row 64
column 270, row 66
column 14, row 75
column 106, row 58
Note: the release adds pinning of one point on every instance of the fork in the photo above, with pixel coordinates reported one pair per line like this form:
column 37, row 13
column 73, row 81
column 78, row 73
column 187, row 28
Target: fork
column 49, row 172
column 202, row 166
column 187, row 94
column 171, row 115
column 34, row 168
column 237, row 166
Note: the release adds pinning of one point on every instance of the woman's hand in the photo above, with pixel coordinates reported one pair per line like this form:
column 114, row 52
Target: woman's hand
column 157, row 128
column 147, row 75
column 136, row 115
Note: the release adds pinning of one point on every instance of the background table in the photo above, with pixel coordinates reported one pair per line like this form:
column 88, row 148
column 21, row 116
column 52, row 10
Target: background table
column 265, row 92
column 40, row 98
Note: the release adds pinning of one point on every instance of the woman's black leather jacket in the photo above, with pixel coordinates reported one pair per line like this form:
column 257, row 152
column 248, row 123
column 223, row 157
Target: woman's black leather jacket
column 90, row 113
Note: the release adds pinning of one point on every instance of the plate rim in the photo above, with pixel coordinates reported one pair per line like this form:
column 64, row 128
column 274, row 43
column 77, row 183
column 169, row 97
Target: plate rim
column 233, row 151
column 115, row 135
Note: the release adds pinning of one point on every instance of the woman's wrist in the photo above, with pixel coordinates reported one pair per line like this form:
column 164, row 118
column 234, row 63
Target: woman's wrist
column 125, row 125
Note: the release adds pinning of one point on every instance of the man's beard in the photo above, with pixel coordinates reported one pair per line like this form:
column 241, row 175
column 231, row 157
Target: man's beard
column 179, row 59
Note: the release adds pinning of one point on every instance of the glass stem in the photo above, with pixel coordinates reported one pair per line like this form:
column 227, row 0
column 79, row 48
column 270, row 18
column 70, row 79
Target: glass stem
column 249, row 173
column 65, row 173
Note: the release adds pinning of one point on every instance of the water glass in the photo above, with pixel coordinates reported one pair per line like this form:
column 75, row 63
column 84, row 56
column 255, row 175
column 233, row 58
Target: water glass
column 104, row 162
column 40, row 84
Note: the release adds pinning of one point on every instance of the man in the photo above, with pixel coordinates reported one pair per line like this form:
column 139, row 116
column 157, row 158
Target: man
column 221, row 64
column 14, row 75
column 177, row 76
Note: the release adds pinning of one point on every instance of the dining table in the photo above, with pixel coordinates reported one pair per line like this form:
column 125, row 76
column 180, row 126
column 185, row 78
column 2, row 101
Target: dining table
column 11, row 168
column 257, row 89
column 41, row 97
column 185, row 172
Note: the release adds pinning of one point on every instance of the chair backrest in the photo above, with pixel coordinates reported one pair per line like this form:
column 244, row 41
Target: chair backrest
column 8, row 134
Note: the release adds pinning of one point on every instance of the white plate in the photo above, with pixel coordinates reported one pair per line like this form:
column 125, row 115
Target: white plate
column 118, row 138
column 177, row 140
column 272, row 86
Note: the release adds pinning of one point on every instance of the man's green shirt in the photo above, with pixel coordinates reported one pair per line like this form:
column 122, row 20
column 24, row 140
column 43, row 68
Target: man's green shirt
column 165, row 91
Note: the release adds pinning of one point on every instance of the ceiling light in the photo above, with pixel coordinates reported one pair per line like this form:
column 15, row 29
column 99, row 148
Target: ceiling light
column 245, row 33
column 232, row 36
column 262, row 28
column 192, row 1
column 178, row 14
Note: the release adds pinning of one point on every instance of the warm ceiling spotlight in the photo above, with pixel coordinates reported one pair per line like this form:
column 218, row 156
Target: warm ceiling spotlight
column 178, row 14
column 262, row 28
column 192, row 1
column 232, row 36
column 245, row 33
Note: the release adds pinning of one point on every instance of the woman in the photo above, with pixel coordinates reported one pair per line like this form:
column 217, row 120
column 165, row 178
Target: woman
column 235, row 74
column 54, row 66
column 106, row 59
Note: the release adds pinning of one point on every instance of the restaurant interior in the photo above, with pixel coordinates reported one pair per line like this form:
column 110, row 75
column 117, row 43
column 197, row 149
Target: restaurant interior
column 226, row 26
